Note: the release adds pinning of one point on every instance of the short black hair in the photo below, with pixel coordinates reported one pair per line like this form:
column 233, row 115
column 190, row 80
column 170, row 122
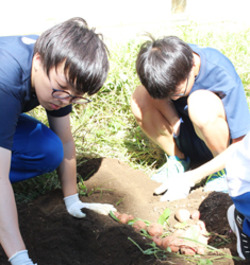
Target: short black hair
column 163, row 64
column 84, row 53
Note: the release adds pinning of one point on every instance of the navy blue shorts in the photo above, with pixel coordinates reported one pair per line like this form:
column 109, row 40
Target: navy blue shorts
column 188, row 141
column 36, row 149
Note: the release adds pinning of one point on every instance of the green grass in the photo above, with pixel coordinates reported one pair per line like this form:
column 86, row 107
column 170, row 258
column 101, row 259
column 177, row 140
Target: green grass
column 107, row 128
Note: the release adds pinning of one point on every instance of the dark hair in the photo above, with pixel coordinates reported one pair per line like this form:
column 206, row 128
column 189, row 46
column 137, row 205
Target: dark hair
column 84, row 53
column 163, row 64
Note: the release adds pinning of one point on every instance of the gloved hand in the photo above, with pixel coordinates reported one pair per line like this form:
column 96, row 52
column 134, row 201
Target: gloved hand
column 21, row 258
column 175, row 188
column 74, row 206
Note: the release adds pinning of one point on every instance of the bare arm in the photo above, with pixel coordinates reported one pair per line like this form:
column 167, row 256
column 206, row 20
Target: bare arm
column 190, row 178
column 212, row 166
column 67, row 172
column 10, row 237
column 67, row 169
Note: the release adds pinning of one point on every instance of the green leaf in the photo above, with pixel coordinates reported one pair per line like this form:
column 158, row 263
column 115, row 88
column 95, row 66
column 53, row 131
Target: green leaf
column 113, row 216
column 205, row 262
column 164, row 217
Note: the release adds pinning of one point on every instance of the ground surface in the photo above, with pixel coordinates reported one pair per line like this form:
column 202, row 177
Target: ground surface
column 55, row 238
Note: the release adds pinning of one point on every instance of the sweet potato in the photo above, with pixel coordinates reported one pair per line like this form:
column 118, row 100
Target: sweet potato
column 198, row 233
column 202, row 228
column 182, row 215
column 155, row 229
column 158, row 241
column 130, row 217
column 139, row 225
column 201, row 250
column 188, row 250
column 195, row 215
column 179, row 240
column 172, row 242
column 124, row 218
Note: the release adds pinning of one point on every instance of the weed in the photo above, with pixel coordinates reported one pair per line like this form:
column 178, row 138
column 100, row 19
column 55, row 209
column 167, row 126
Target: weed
column 163, row 219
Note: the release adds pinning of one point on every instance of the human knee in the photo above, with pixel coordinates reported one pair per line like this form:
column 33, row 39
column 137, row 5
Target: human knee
column 53, row 153
column 39, row 157
column 48, row 151
column 204, row 108
column 139, row 103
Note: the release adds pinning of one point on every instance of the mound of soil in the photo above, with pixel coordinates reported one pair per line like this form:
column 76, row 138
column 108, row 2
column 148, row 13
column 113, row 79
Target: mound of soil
column 53, row 237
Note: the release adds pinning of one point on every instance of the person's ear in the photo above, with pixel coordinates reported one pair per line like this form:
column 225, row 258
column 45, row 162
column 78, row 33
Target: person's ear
column 37, row 62
column 196, row 64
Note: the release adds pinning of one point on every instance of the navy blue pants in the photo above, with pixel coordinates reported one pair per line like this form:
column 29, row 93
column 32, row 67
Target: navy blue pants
column 36, row 149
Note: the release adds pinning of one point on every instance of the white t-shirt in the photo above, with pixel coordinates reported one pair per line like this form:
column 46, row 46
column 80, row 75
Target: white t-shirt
column 238, row 168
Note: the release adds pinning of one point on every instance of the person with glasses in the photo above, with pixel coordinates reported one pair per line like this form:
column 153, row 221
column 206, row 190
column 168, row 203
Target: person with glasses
column 192, row 104
column 54, row 70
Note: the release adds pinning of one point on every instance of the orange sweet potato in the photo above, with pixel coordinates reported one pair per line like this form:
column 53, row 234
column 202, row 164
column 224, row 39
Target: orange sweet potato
column 139, row 225
column 202, row 228
column 172, row 242
column 124, row 218
column 186, row 250
column 155, row 229
column 158, row 241
column 182, row 215
column 195, row 215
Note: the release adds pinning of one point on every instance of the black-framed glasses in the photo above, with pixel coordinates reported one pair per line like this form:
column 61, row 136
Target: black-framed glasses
column 61, row 94
column 182, row 94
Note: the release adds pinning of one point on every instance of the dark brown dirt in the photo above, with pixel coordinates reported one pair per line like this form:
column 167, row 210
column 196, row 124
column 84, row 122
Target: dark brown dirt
column 53, row 237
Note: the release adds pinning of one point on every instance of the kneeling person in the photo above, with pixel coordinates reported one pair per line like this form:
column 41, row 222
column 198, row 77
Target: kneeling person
column 191, row 103
column 54, row 70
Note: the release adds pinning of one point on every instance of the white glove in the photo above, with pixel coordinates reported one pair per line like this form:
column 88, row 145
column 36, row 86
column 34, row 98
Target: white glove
column 175, row 189
column 21, row 258
column 74, row 206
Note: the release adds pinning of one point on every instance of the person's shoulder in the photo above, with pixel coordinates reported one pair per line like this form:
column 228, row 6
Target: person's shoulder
column 15, row 42
column 17, row 47
column 195, row 47
column 213, row 57
column 25, row 39
column 205, row 50
column 16, row 53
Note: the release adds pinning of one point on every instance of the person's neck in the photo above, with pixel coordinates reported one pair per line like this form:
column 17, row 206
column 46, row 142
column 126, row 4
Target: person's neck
column 197, row 64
